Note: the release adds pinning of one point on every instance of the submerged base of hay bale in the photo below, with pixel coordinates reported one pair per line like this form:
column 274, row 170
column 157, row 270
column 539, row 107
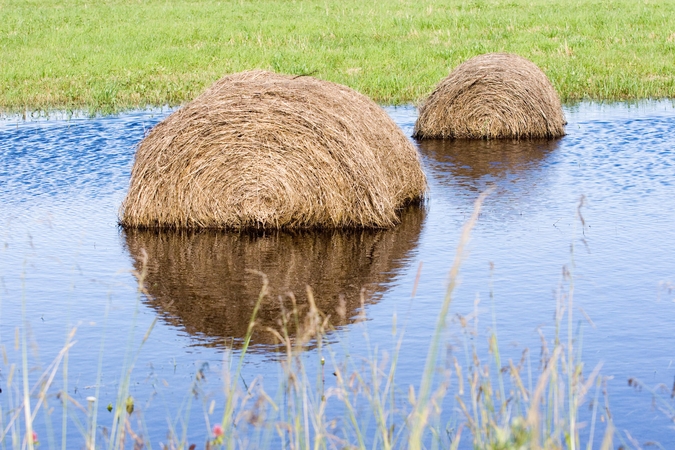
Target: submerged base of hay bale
column 262, row 150
column 492, row 96
column 204, row 283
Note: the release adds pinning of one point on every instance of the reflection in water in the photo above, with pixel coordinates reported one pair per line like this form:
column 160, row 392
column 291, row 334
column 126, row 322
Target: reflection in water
column 62, row 182
column 472, row 165
column 202, row 281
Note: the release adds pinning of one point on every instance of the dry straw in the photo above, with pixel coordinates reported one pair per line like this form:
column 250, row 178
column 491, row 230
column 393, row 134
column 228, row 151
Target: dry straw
column 492, row 96
column 263, row 150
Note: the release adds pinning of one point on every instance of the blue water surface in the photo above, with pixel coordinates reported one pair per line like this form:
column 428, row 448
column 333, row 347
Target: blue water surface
column 65, row 264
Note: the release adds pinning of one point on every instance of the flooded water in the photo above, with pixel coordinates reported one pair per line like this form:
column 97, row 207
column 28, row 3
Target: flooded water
column 65, row 263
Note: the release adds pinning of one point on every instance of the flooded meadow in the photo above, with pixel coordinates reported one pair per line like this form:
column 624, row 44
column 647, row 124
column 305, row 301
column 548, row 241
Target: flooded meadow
column 592, row 212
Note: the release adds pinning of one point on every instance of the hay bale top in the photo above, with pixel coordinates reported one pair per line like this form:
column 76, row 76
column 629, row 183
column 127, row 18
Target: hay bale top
column 492, row 96
column 263, row 150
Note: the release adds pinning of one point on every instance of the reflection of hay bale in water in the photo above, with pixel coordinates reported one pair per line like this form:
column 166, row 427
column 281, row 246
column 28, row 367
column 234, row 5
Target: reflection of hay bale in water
column 199, row 281
column 493, row 96
column 520, row 172
column 467, row 162
column 262, row 150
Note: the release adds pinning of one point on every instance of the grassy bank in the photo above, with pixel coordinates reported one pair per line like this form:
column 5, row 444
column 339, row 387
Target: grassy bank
column 122, row 54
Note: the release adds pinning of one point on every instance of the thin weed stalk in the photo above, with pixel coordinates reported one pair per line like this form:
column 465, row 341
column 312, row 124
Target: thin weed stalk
column 124, row 403
column 24, row 364
column 227, row 421
column 91, row 438
column 419, row 417
column 494, row 341
column 550, row 410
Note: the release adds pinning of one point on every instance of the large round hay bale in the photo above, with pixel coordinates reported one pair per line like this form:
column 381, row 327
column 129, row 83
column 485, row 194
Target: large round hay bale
column 263, row 150
column 492, row 96
column 201, row 281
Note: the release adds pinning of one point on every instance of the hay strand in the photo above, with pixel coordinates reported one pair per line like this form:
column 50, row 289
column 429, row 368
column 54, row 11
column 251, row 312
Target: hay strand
column 263, row 150
column 492, row 96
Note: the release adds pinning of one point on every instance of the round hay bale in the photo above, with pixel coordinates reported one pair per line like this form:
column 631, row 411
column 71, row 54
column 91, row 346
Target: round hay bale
column 263, row 150
column 492, row 96
column 201, row 281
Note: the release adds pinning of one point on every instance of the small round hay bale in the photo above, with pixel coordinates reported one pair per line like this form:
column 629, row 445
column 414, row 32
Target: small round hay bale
column 263, row 150
column 492, row 96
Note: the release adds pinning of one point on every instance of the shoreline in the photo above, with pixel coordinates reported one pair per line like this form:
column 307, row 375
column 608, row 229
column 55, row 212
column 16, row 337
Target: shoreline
column 61, row 115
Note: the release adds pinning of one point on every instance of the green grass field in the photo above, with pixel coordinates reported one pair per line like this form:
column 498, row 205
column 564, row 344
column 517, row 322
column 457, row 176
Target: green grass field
column 120, row 54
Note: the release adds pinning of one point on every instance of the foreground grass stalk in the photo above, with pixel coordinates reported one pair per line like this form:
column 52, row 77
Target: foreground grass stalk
column 494, row 341
column 64, row 403
column 227, row 421
column 24, row 365
column 418, row 419
column 571, row 363
column 343, row 389
column 91, row 439
column 124, row 403
column 551, row 409
column 40, row 388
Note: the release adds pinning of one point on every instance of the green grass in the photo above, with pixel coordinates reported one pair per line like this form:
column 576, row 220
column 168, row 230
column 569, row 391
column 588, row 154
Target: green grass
column 120, row 54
